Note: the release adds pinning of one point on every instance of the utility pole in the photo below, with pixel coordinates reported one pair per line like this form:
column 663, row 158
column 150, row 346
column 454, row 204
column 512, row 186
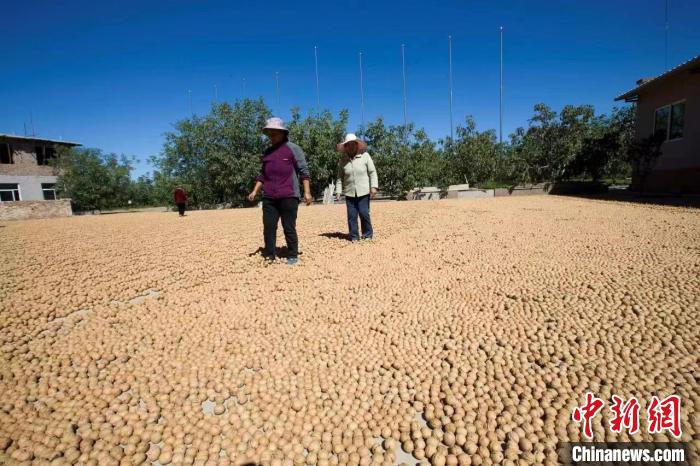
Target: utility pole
column 452, row 136
column 362, row 93
column 666, row 39
column 500, row 100
column 277, row 87
column 403, row 72
column 318, row 88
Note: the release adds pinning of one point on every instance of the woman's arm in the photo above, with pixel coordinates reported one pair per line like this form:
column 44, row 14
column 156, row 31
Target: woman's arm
column 303, row 170
column 339, row 180
column 373, row 179
column 254, row 193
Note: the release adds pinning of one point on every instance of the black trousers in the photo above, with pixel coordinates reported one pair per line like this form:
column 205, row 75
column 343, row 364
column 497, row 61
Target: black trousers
column 181, row 208
column 273, row 210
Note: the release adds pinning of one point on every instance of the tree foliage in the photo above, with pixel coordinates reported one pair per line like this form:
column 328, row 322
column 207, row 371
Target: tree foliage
column 92, row 179
column 318, row 135
column 216, row 157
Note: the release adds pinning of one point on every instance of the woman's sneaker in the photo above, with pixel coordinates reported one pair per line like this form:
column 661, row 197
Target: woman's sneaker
column 292, row 261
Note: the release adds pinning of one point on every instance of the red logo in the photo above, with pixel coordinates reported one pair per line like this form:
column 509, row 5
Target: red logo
column 665, row 415
column 587, row 412
column 625, row 415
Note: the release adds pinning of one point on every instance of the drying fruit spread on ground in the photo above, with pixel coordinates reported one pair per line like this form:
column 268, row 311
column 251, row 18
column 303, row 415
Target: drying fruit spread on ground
column 466, row 332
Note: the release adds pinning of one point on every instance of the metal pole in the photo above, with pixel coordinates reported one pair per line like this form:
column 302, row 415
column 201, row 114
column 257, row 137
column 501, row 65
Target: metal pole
column 318, row 88
column 189, row 94
column 362, row 93
column 500, row 100
column 277, row 86
column 452, row 136
column 666, row 39
column 403, row 71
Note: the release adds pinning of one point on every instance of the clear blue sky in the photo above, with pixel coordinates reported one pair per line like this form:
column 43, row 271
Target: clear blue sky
column 115, row 75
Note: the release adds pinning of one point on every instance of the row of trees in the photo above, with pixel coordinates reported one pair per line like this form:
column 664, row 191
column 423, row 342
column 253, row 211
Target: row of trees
column 216, row 156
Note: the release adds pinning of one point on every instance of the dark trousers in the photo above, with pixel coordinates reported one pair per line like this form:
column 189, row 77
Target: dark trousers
column 181, row 208
column 358, row 206
column 273, row 210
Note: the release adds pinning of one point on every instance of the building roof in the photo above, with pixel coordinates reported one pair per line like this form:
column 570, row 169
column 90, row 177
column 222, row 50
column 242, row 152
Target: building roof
column 31, row 138
column 692, row 65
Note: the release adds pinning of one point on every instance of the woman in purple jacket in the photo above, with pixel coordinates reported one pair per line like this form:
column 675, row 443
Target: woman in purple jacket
column 283, row 165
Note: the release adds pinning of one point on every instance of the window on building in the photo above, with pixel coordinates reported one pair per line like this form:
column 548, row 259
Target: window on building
column 9, row 192
column 5, row 153
column 661, row 122
column 40, row 159
column 44, row 155
column 49, row 190
column 668, row 121
column 49, row 155
column 677, row 117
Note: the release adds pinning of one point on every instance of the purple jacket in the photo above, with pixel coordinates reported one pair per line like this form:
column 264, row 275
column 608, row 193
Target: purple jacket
column 282, row 168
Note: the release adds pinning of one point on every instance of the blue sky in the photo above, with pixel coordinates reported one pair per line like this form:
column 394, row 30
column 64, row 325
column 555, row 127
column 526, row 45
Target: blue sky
column 116, row 75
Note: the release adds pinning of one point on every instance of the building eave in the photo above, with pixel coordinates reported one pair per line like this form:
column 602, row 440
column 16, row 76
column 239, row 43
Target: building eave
column 44, row 140
column 692, row 66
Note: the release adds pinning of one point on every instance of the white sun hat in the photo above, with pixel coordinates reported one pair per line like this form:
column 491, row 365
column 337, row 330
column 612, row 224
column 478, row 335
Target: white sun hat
column 351, row 137
column 275, row 123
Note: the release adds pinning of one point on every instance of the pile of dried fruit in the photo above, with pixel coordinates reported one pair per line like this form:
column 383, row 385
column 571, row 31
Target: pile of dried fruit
column 465, row 333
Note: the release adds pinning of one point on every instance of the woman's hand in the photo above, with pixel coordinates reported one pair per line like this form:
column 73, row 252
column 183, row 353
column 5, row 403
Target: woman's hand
column 308, row 199
column 373, row 192
column 252, row 196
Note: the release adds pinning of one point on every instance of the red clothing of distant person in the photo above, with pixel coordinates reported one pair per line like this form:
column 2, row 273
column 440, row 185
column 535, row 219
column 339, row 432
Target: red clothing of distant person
column 180, row 196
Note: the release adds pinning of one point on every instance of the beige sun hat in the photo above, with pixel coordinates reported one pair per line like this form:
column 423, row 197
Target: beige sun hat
column 275, row 123
column 351, row 137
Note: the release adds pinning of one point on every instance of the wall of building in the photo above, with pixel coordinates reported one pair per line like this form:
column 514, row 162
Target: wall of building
column 29, row 186
column 25, row 163
column 681, row 153
column 678, row 168
column 25, row 210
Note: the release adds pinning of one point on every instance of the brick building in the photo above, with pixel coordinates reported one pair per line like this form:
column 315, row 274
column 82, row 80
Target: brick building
column 26, row 171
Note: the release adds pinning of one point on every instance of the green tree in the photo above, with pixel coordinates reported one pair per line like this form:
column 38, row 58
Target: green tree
column 405, row 158
column 643, row 155
column 318, row 135
column 93, row 180
column 216, row 157
column 475, row 156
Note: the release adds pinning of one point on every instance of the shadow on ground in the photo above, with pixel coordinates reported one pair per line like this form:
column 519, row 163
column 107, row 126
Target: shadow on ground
column 670, row 200
column 336, row 235
column 281, row 251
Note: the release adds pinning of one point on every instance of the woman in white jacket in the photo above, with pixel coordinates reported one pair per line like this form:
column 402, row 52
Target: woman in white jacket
column 357, row 180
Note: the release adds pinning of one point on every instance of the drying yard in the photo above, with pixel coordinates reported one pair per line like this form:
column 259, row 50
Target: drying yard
column 465, row 333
